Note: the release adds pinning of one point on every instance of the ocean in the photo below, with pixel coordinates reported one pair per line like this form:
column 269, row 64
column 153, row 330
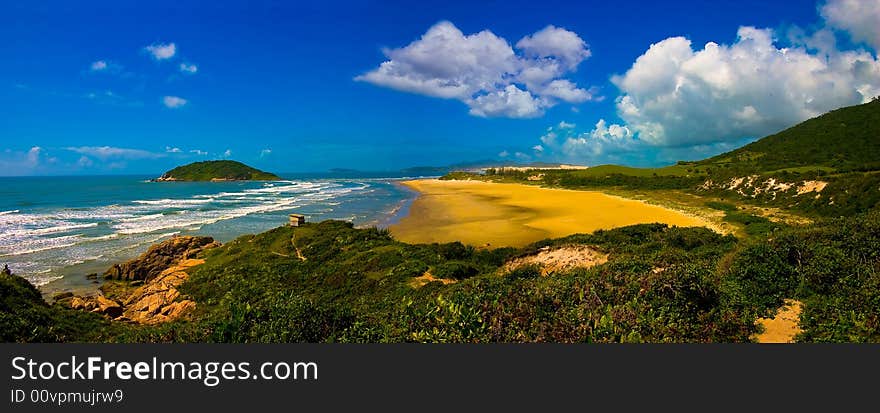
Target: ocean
column 56, row 230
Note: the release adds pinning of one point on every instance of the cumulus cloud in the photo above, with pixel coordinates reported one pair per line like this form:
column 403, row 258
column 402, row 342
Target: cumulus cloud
column 198, row 152
column 174, row 102
column 188, row 68
column 511, row 102
column 110, row 152
column 485, row 72
column 264, row 152
column 860, row 18
column 616, row 143
column 227, row 154
column 556, row 45
column 674, row 95
column 170, row 149
column 503, row 154
column 107, row 66
column 84, row 162
column 98, row 66
column 16, row 163
column 33, row 155
column 603, row 140
column 161, row 51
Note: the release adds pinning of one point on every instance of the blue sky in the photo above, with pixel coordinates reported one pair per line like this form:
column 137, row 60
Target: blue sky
column 298, row 86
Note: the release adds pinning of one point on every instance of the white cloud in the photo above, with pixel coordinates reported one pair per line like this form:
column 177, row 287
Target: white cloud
column 174, row 102
column 566, row 91
column 107, row 66
column 108, row 152
column 674, row 95
column 600, row 142
column 227, row 154
column 565, row 125
column 198, row 152
column 483, row 70
column 188, row 68
column 265, row 152
column 503, row 154
column 557, row 45
column 549, row 138
column 172, row 150
column 98, row 66
column 162, row 51
column 511, row 102
column 860, row 18
column 17, row 163
column 84, row 162
column 33, row 155
column 538, row 148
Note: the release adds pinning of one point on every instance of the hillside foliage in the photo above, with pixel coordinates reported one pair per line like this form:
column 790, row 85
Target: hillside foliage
column 225, row 170
column 331, row 282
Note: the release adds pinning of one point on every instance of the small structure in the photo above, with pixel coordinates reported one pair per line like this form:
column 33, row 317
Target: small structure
column 297, row 220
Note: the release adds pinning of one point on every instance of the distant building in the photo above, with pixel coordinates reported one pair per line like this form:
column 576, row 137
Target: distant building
column 297, row 220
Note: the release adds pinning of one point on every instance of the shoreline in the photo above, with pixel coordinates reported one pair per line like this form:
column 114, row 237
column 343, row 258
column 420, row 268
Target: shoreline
column 488, row 214
column 111, row 227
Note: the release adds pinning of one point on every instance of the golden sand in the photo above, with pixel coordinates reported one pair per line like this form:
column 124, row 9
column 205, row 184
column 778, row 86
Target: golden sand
column 495, row 214
column 783, row 327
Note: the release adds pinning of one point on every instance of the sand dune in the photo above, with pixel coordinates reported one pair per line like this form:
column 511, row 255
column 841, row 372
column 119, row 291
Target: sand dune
column 480, row 213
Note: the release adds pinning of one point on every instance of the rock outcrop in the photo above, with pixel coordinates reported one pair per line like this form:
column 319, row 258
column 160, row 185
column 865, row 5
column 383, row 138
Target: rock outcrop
column 157, row 274
column 155, row 301
column 159, row 257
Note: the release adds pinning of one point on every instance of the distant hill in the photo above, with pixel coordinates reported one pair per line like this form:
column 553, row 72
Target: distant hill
column 216, row 171
column 843, row 140
column 828, row 165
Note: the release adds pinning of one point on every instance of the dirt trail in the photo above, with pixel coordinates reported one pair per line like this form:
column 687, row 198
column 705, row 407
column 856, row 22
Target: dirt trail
column 299, row 253
column 784, row 326
column 426, row 278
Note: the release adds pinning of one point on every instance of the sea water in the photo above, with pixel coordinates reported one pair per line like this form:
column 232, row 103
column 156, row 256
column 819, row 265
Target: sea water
column 56, row 230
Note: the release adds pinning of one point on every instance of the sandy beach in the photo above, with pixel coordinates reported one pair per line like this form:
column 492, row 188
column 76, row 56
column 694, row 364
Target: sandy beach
column 497, row 214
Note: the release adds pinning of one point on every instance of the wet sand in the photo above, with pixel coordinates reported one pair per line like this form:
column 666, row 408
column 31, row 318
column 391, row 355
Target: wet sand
column 497, row 214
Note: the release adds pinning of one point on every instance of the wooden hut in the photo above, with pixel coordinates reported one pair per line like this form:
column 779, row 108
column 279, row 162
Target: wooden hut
column 297, row 220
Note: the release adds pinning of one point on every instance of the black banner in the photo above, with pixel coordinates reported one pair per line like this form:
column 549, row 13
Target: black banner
column 203, row 377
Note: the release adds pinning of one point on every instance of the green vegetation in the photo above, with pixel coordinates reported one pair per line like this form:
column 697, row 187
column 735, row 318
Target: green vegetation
column 25, row 317
column 842, row 140
column 839, row 150
column 754, row 225
column 217, row 170
column 660, row 284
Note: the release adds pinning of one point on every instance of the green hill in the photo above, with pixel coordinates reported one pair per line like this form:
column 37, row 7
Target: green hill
column 826, row 166
column 843, row 140
column 217, row 171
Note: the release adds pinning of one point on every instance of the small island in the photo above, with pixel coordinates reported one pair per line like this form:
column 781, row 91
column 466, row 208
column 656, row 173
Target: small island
column 215, row 171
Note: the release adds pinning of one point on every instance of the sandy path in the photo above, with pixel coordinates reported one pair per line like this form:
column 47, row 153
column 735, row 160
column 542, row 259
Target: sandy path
column 784, row 326
column 481, row 213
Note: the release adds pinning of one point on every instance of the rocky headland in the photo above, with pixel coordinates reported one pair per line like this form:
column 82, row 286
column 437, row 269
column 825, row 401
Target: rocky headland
column 144, row 290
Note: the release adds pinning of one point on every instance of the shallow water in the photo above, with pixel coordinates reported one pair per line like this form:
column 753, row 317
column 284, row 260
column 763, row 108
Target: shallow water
column 55, row 230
